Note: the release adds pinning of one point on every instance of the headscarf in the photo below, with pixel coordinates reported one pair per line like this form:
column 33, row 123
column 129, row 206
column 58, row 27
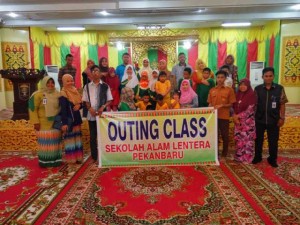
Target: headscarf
column 232, row 67
column 127, row 97
column 102, row 68
column 144, row 80
column 244, row 99
column 113, row 82
column 71, row 93
column 152, row 81
column 88, row 70
column 148, row 68
column 186, row 96
column 52, row 107
column 134, row 80
column 197, row 75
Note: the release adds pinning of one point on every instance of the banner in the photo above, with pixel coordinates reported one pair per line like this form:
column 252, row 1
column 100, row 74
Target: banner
column 168, row 137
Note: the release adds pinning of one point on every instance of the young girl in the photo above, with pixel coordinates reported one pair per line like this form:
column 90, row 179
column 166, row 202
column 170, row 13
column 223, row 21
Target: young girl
column 103, row 65
column 129, row 78
column 163, row 87
column 175, row 101
column 188, row 98
column 114, row 83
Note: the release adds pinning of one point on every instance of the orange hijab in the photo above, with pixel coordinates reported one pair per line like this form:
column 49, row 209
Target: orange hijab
column 71, row 93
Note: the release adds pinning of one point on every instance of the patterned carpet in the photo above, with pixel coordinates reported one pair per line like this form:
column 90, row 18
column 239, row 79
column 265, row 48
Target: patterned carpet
column 26, row 190
column 230, row 194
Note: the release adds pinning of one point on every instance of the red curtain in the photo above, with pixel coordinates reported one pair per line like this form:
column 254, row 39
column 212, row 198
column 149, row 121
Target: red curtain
column 222, row 53
column 75, row 51
column 193, row 55
column 161, row 55
column 102, row 51
column 272, row 49
column 47, row 56
column 251, row 55
column 31, row 53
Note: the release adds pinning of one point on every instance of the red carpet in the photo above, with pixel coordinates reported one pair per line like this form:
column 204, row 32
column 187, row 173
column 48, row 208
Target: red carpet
column 27, row 189
column 153, row 195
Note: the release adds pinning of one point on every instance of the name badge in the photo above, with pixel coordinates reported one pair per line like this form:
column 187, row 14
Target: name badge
column 273, row 105
column 44, row 101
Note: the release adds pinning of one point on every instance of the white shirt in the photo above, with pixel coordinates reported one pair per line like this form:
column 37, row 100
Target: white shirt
column 94, row 96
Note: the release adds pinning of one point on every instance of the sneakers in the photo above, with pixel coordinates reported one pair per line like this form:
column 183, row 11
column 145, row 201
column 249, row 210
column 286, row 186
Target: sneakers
column 272, row 163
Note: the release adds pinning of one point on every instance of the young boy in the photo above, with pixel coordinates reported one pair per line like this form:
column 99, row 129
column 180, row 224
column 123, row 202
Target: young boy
column 142, row 105
column 161, row 105
column 222, row 98
column 175, row 101
column 202, row 89
column 186, row 76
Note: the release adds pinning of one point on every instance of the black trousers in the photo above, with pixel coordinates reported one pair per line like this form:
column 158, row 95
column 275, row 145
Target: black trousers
column 273, row 137
column 93, row 139
column 224, row 130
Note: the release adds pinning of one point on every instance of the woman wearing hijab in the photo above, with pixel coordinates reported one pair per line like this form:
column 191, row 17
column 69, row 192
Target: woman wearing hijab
column 70, row 103
column 188, row 97
column 146, row 67
column 43, row 107
column 103, row 66
column 86, row 78
column 127, row 100
column 233, row 70
column 129, row 78
column 197, row 75
column 244, row 129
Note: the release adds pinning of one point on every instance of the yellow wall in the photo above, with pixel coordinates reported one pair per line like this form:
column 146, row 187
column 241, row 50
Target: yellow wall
column 11, row 35
column 290, row 29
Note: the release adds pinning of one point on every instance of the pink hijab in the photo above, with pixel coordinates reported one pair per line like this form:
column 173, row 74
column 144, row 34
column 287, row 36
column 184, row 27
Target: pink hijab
column 186, row 96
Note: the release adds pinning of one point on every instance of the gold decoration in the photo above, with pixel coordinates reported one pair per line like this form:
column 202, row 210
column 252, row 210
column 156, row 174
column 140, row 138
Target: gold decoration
column 140, row 50
column 290, row 62
column 20, row 136
column 155, row 35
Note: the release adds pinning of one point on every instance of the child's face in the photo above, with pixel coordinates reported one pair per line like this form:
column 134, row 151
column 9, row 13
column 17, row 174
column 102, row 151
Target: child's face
column 160, row 102
column 146, row 99
column 154, row 75
column 186, row 75
column 112, row 74
column 129, row 71
column 206, row 74
column 243, row 87
column 221, row 79
column 176, row 97
column 162, row 78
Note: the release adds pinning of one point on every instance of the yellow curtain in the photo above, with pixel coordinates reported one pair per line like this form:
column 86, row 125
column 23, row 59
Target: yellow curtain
column 113, row 56
column 261, row 51
column 203, row 52
column 231, row 48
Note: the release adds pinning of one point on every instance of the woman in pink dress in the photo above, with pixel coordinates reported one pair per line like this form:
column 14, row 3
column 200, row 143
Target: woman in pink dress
column 244, row 129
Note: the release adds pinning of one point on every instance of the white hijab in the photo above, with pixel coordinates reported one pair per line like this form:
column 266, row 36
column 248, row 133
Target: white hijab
column 134, row 80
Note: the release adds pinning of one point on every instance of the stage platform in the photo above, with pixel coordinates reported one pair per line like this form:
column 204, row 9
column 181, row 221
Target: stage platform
column 20, row 136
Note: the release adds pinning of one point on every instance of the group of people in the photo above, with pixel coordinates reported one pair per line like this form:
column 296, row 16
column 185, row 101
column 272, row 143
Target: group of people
column 128, row 88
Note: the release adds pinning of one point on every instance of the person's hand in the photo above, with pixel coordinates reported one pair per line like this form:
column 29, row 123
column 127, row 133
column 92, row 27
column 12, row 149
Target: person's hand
column 92, row 112
column 64, row 129
column 218, row 106
column 280, row 122
column 100, row 110
column 76, row 107
column 37, row 126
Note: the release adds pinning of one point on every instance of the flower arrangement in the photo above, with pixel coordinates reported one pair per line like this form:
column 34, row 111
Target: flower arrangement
column 21, row 73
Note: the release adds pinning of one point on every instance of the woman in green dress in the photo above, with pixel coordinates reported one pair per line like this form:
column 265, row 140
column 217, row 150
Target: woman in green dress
column 127, row 100
column 43, row 107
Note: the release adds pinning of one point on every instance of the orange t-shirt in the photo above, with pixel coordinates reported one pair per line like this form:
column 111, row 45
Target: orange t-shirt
column 221, row 95
column 176, row 106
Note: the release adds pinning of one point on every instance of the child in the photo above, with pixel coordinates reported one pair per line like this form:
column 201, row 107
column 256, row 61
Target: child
column 114, row 83
column 188, row 97
column 175, row 101
column 186, row 76
column 202, row 88
column 161, row 105
column 163, row 87
column 129, row 78
column 228, row 81
column 222, row 98
column 142, row 105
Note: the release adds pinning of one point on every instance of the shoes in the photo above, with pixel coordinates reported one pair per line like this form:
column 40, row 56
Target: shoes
column 256, row 160
column 272, row 163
